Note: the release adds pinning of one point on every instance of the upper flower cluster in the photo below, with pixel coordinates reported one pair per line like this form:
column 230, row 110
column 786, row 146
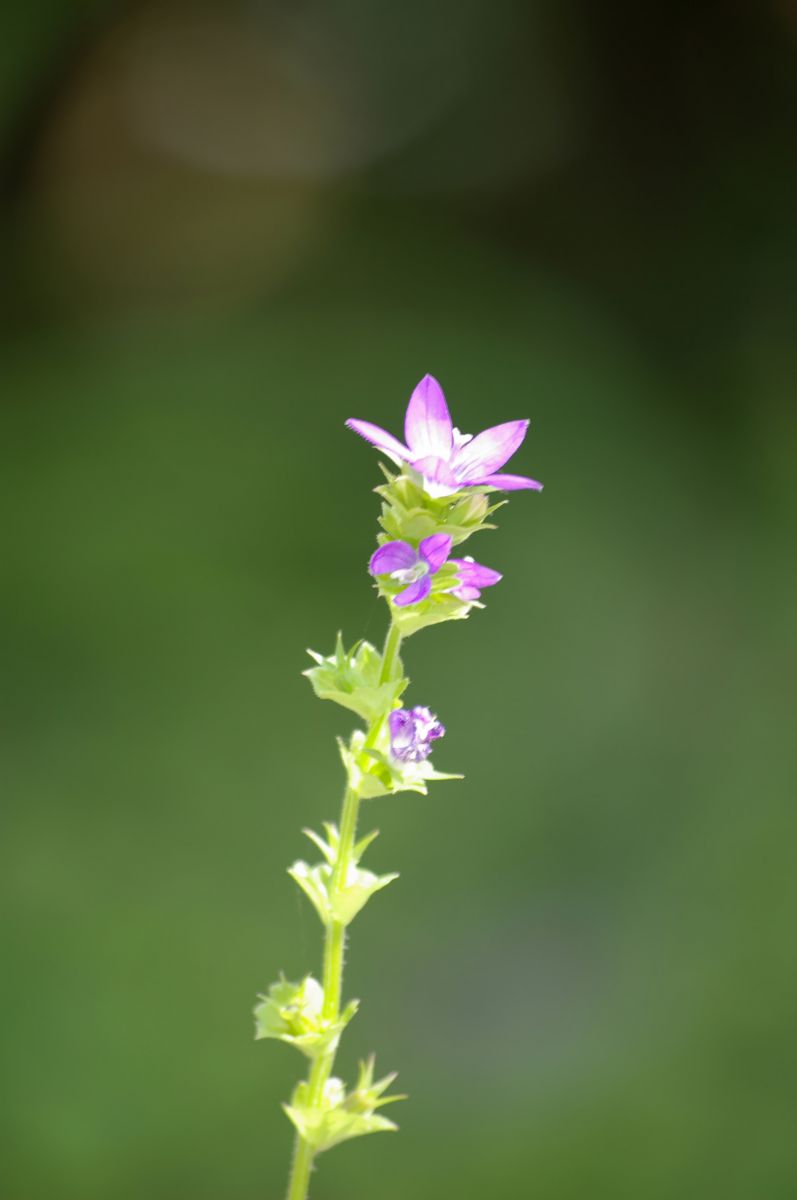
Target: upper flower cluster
column 449, row 460
column 438, row 499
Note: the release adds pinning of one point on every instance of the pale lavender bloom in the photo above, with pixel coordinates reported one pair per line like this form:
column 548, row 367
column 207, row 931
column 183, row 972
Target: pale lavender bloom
column 472, row 578
column 405, row 564
column 447, row 459
column 412, row 732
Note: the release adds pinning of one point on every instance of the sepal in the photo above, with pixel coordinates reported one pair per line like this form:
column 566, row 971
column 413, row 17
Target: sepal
column 410, row 514
column 341, row 1116
column 292, row 1013
column 352, row 679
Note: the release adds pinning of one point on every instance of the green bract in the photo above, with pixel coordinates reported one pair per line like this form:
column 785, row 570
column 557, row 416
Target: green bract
column 409, row 514
column 341, row 1116
column 292, row 1012
column 356, row 887
column 352, row 678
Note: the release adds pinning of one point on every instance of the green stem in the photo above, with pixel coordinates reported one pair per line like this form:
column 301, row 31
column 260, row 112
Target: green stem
column 300, row 1171
column 389, row 656
column 392, row 646
column 335, row 939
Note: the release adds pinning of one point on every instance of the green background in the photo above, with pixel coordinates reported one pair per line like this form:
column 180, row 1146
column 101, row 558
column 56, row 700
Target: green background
column 225, row 229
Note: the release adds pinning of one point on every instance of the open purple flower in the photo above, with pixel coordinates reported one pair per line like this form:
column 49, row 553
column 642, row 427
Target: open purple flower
column 405, row 564
column 412, row 732
column 447, row 459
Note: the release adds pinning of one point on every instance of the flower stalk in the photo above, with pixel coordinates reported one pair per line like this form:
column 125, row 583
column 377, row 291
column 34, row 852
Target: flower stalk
column 438, row 498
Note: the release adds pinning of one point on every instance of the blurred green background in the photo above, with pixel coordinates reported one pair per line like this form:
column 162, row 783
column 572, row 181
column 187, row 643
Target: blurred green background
column 226, row 227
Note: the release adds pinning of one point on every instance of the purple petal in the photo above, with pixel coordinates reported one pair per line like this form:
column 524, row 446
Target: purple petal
column 381, row 438
column 399, row 722
column 507, row 483
column 466, row 593
column 438, row 478
column 414, row 593
column 427, row 426
column 393, row 556
column 488, row 450
column 474, row 575
column 435, row 550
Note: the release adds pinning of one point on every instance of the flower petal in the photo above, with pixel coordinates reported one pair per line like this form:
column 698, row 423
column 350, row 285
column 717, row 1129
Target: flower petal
column 488, row 450
column 507, row 483
column 466, row 593
column 435, row 550
column 380, row 438
column 438, row 478
column 473, row 574
column 414, row 593
column 427, row 426
column 393, row 556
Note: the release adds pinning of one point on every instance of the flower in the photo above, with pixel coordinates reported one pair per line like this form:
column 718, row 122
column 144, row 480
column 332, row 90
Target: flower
column 405, row 564
column 414, row 567
column 472, row 578
column 412, row 732
column 447, row 459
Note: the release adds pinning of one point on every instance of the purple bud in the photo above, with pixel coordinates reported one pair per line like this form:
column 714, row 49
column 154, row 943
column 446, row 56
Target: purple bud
column 412, row 732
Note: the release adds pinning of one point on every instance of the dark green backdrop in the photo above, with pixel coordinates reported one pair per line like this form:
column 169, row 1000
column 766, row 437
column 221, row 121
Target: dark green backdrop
column 586, row 973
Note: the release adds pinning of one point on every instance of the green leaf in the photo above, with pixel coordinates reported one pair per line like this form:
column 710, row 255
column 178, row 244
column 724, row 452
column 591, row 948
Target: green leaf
column 314, row 887
column 353, row 679
column 344, row 903
column 356, row 888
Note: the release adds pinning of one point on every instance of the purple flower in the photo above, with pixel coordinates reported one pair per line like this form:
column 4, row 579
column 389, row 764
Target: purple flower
column 414, row 567
column 403, row 563
column 447, row 459
column 472, row 578
column 412, row 732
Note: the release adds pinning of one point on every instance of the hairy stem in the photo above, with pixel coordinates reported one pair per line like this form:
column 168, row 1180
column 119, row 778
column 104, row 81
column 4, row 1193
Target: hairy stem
column 335, row 938
column 300, row 1171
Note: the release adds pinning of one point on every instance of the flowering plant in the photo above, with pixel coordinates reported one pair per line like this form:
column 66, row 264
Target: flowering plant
column 440, row 493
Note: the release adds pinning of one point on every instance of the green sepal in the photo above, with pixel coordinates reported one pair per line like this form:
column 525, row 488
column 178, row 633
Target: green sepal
column 374, row 772
column 357, row 888
column 341, row 1116
column 409, row 514
column 352, row 679
column 292, row 1013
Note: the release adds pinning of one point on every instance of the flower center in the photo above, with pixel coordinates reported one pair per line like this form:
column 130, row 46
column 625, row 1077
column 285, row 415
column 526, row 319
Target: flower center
column 410, row 574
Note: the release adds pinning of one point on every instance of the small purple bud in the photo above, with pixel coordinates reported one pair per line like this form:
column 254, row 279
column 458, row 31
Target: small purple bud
column 412, row 732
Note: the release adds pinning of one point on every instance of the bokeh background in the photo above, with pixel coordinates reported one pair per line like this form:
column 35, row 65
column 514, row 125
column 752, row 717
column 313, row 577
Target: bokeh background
column 225, row 228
